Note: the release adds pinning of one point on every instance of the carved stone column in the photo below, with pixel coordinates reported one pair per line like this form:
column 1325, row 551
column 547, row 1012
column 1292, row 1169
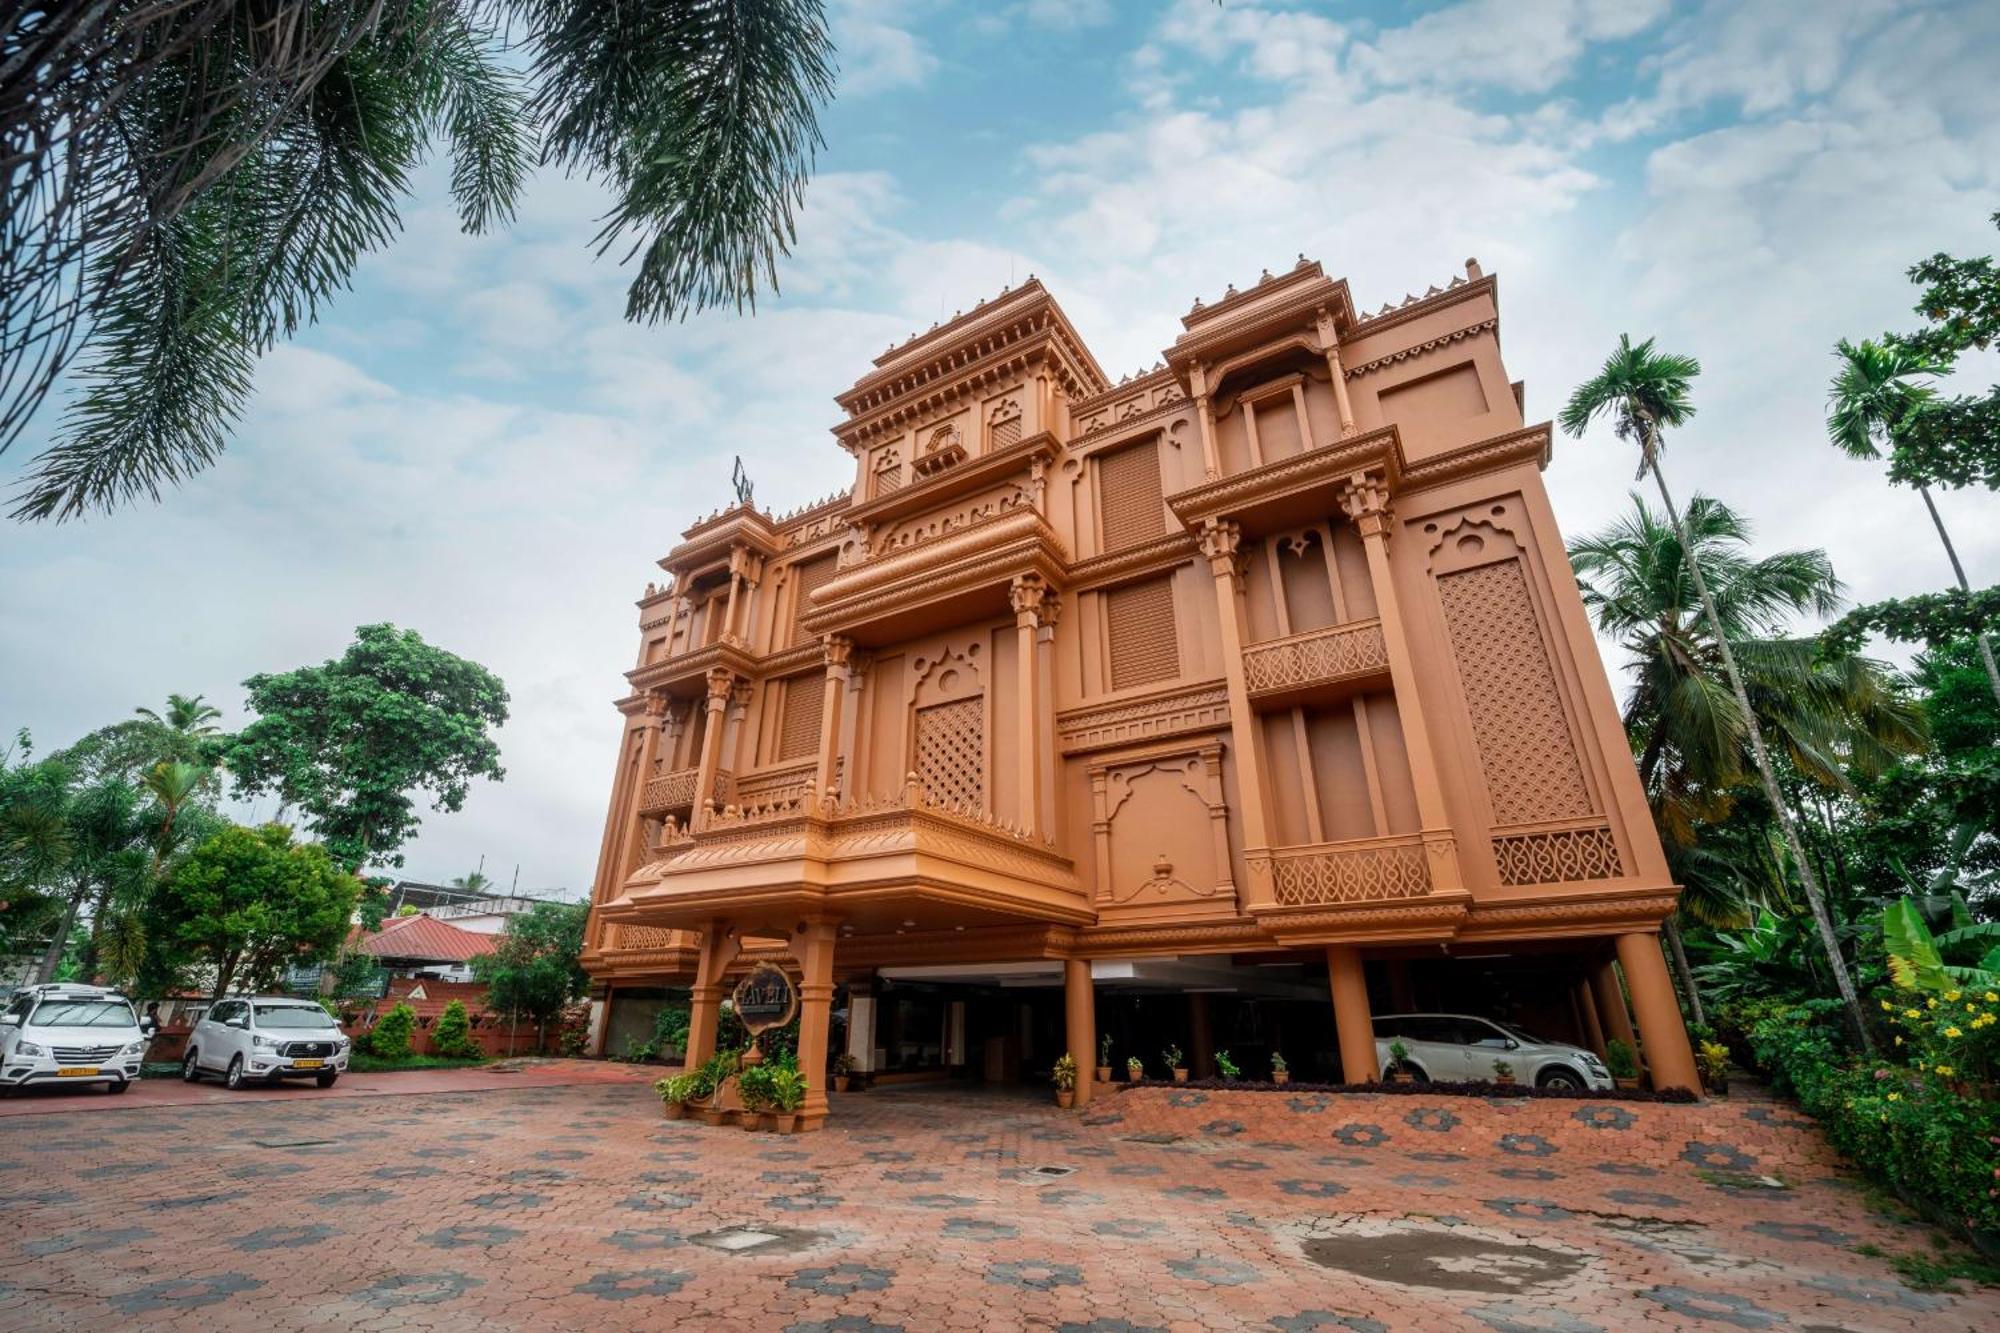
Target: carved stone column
column 1365, row 500
column 812, row 945
column 720, row 682
column 1221, row 540
column 838, row 651
column 1211, row 459
column 1329, row 342
column 719, row 946
column 635, row 849
column 1080, row 1022
column 1030, row 598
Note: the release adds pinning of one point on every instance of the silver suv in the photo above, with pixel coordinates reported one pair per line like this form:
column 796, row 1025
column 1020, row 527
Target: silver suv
column 70, row 1034
column 1458, row 1048
column 266, row 1038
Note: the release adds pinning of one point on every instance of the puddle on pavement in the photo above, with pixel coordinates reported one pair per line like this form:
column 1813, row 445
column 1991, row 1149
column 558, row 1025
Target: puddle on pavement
column 1454, row 1262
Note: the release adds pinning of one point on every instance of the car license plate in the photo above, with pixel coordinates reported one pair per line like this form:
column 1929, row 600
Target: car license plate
column 307, row 1064
column 78, row 1071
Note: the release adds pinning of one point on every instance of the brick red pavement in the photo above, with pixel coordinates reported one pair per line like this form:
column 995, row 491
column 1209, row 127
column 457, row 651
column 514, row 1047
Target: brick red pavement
column 578, row 1207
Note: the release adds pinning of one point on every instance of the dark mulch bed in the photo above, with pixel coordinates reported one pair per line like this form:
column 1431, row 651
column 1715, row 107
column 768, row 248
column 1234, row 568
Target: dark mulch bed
column 1489, row 1091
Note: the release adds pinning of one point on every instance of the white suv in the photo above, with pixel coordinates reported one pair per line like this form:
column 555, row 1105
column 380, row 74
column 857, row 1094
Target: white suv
column 1457, row 1048
column 266, row 1038
column 70, row 1034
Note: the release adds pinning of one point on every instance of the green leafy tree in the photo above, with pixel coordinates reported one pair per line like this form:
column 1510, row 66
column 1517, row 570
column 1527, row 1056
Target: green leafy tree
column 348, row 741
column 185, row 732
column 534, row 970
column 1880, row 388
column 246, row 904
column 1645, row 392
column 1955, row 440
column 452, row 1037
column 191, row 181
column 391, row 1035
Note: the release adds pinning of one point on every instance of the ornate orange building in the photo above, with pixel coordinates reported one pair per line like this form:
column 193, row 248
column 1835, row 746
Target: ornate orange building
column 1236, row 698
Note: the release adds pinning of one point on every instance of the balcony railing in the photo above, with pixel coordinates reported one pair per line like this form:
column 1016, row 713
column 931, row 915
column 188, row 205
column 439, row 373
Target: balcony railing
column 676, row 791
column 1362, row 871
column 1350, row 652
column 1558, row 852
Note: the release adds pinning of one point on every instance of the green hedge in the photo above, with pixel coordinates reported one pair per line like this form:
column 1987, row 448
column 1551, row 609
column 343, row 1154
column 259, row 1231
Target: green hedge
column 1933, row 1138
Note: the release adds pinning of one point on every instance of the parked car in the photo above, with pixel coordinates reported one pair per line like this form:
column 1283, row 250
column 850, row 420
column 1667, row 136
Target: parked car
column 70, row 1034
column 266, row 1038
column 1459, row 1048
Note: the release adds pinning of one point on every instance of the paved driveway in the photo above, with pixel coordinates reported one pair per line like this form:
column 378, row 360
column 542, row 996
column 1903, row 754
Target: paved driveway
column 578, row 1207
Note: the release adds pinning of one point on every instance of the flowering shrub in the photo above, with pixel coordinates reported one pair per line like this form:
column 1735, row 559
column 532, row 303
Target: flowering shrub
column 1933, row 1137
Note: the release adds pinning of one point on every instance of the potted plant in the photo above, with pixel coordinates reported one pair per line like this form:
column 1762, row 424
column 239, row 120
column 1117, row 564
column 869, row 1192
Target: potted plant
column 1104, row 1058
column 1171, row 1058
column 1399, row 1071
column 1713, row 1061
column 709, row 1078
column 1622, row 1064
column 1281, row 1073
column 844, row 1066
column 788, row 1094
column 1226, row 1067
column 1503, row 1073
column 1135, row 1069
column 1065, row 1079
column 755, row 1086
column 676, row 1093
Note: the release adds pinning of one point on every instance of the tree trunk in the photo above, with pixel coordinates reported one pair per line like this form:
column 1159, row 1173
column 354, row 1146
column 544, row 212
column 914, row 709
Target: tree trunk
column 1671, row 928
column 1958, row 570
column 1808, row 880
column 52, row 956
column 225, row 972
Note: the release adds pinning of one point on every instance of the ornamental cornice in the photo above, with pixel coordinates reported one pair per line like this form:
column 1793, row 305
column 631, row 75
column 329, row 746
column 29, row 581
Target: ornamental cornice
column 1173, row 549
column 1144, row 382
column 1530, row 444
column 791, row 660
column 987, row 555
column 1198, row 344
column 1109, row 433
column 1579, row 912
column 1418, row 349
column 1434, row 916
column 1234, row 932
column 1203, row 707
column 712, row 538
column 689, row 668
column 880, row 406
column 1327, row 464
column 946, row 486
column 1369, row 325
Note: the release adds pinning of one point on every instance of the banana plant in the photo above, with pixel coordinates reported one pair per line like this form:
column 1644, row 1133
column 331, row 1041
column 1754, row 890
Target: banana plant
column 1917, row 958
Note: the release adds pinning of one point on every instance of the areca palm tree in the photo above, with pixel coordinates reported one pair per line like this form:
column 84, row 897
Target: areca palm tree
column 1878, row 388
column 1645, row 392
column 1828, row 717
column 186, row 714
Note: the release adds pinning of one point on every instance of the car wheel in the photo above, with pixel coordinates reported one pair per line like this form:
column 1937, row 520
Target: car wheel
column 121, row 1085
column 190, row 1067
column 234, row 1078
column 327, row 1080
column 1560, row 1077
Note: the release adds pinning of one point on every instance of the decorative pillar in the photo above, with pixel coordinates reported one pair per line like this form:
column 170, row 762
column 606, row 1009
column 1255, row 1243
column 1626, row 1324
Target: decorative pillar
column 1351, row 1019
column 838, row 651
column 1049, row 825
column 728, row 634
column 1586, row 1016
column 1221, row 539
column 1080, row 1022
column 1201, row 1037
column 812, row 946
column 1211, row 460
column 720, row 681
column 1329, row 342
column 1669, row 1054
column 732, row 735
column 1027, row 594
column 719, row 946
column 634, row 849
column 1365, row 500
column 1610, row 997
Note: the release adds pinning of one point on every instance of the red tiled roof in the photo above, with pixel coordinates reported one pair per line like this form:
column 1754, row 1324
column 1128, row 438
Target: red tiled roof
column 424, row 938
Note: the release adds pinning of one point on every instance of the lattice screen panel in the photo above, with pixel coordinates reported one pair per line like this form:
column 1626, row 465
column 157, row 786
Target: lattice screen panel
column 951, row 752
column 798, row 727
column 1128, row 496
column 1525, row 750
column 1557, row 857
column 1144, row 646
column 1004, row 433
column 811, row 575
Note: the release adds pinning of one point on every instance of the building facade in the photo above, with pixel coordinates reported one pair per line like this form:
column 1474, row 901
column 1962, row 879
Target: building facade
column 1243, row 698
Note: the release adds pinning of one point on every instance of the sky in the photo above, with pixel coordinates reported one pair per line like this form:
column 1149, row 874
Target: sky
column 474, row 443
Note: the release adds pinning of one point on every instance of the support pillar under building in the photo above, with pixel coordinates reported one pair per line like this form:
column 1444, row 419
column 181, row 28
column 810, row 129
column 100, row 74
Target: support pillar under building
column 1610, row 997
column 812, row 946
column 1080, row 1022
column 1351, row 1019
column 1669, row 1054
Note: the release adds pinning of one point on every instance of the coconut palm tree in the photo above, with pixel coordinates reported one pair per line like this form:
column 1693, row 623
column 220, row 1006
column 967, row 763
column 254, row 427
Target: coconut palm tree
column 1645, row 392
column 1827, row 716
column 1878, row 387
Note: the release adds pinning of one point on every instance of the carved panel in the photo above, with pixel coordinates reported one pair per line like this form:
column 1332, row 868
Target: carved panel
column 1343, row 652
column 1128, row 496
column 1380, row 868
column 799, row 724
column 1160, row 829
column 1003, row 425
column 950, row 753
column 1145, row 647
column 811, row 575
column 1202, row 709
column 1557, row 856
column 973, row 512
column 1525, row 749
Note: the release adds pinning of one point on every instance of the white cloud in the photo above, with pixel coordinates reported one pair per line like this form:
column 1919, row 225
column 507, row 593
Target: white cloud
column 876, row 53
column 1516, row 45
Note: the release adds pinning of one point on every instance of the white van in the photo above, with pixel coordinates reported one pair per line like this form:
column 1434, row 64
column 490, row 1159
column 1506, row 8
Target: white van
column 266, row 1039
column 70, row 1034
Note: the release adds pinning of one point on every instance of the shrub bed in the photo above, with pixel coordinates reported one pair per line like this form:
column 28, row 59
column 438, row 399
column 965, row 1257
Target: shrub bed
column 1488, row 1091
column 1913, row 1120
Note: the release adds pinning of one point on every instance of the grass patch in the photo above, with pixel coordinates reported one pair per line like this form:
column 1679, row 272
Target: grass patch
column 1926, row 1272
column 359, row 1063
column 160, row 1069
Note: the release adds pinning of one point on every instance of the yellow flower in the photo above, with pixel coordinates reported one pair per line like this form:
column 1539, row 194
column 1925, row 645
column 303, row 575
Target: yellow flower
column 1953, row 1032
column 1895, row 1096
column 1911, row 1013
column 1951, row 996
column 1944, row 1070
column 1991, row 998
column 1931, row 1003
column 1886, row 1006
column 1899, row 1041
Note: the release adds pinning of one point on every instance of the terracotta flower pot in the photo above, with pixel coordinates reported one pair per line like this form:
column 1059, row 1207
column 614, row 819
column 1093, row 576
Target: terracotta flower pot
column 1104, row 1073
column 1134, row 1076
column 1065, row 1097
column 1180, row 1076
column 1281, row 1076
column 713, row 1116
column 840, row 1083
column 674, row 1110
column 1402, row 1076
column 786, row 1122
column 1625, row 1084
